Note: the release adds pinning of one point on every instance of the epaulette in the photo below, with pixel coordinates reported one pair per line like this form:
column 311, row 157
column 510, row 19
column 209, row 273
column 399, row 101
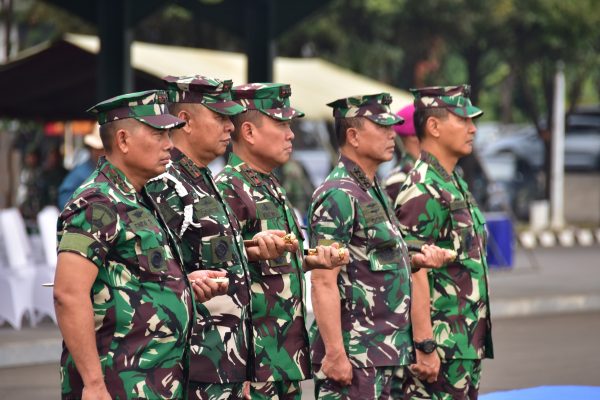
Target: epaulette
column 362, row 179
column 250, row 174
column 187, row 164
column 116, row 178
column 429, row 159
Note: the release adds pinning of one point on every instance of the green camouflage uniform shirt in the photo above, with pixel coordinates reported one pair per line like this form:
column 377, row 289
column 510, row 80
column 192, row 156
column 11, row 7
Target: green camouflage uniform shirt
column 437, row 208
column 398, row 175
column 211, row 239
column 278, row 309
column 141, row 298
column 374, row 287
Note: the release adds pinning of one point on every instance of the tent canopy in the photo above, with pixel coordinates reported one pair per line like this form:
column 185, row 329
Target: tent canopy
column 58, row 80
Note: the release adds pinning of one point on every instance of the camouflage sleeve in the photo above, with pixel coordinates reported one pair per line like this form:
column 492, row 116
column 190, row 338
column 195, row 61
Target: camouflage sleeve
column 332, row 219
column 170, row 195
column 88, row 227
column 235, row 196
column 421, row 215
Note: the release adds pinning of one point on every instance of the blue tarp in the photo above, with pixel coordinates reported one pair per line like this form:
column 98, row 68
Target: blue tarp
column 547, row 393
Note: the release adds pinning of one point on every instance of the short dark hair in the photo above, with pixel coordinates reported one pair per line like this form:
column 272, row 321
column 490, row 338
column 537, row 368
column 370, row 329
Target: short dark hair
column 421, row 116
column 108, row 130
column 175, row 108
column 107, row 133
column 343, row 124
column 253, row 116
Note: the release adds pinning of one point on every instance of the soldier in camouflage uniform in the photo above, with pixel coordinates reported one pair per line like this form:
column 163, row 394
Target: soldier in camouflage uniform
column 261, row 142
column 123, row 301
column 362, row 330
column 450, row 305
column 209, row 233
column 410, row 152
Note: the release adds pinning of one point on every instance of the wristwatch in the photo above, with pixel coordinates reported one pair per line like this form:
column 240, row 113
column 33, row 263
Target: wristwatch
column 427, row 346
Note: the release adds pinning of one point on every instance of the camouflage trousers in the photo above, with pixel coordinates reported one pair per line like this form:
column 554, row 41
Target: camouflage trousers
column 372, row 383
column 276, row 390
column 457, row 380
column 215, row 391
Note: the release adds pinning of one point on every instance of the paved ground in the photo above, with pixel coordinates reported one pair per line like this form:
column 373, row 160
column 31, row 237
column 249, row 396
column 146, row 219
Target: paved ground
column 548, row 281
column 544, row 350
column 536, row 342
column 559, row 349
column 38, row 382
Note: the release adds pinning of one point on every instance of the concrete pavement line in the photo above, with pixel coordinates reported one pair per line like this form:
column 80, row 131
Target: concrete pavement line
column 544, row 305
column 28, row 353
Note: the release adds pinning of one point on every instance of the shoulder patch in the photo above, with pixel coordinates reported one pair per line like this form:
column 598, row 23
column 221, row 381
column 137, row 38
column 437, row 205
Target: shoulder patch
column 102, row 216
column 75, row 242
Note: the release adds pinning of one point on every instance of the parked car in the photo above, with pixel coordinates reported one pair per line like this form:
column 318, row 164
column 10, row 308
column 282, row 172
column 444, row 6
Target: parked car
column 513, row 155
column 582, row 142
column 514, row 184
column 582, row 139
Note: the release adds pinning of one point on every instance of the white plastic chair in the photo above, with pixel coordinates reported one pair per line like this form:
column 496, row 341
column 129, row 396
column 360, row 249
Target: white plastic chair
column 17, row 273
column 43, row 302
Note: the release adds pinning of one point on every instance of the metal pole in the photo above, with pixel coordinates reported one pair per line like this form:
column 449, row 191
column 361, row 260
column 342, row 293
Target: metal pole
column 557, row 181
column 114, row 59
column 7, row 10
column 260, row 46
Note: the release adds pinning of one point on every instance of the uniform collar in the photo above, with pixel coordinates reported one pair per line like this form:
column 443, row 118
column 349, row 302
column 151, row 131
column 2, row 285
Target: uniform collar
column 356, row 172
column 116, row 176
column 186, row 163
column 236, row 162
column 435, row 164
column 407, row 157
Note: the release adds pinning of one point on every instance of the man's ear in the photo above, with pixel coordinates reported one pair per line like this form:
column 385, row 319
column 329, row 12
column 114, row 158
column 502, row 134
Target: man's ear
column 185, row 115
column 248, row 132
column 123, row 140
column 352, row 137
column 432, row 126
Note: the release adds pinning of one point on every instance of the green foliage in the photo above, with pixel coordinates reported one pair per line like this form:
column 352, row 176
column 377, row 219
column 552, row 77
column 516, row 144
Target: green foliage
column 502, row 47
column 40, row 21
column 507, row 49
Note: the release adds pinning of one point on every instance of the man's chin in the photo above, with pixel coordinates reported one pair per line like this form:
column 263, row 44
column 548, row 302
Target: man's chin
column 284, row 158
column 160, row 170
column 467, row 151
column 386, row 157
column 220, row 152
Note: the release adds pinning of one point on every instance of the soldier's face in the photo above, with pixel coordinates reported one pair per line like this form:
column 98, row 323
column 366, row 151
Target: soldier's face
column 210, row 134
column 273, row 141
column 457, row 135
column 149, row 150
column 375, row 142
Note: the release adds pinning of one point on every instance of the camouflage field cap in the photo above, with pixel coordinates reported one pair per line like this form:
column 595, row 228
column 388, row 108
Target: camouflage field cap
column 454, row 98
column 375, row 107
column 215, row 94
column 272, row 99
column 148, row 107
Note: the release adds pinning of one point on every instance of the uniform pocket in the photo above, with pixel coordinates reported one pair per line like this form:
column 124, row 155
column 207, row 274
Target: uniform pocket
column 464, row 238
column 278, row 266
column 217, row 251
column 152, row 256
column 386, row 256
